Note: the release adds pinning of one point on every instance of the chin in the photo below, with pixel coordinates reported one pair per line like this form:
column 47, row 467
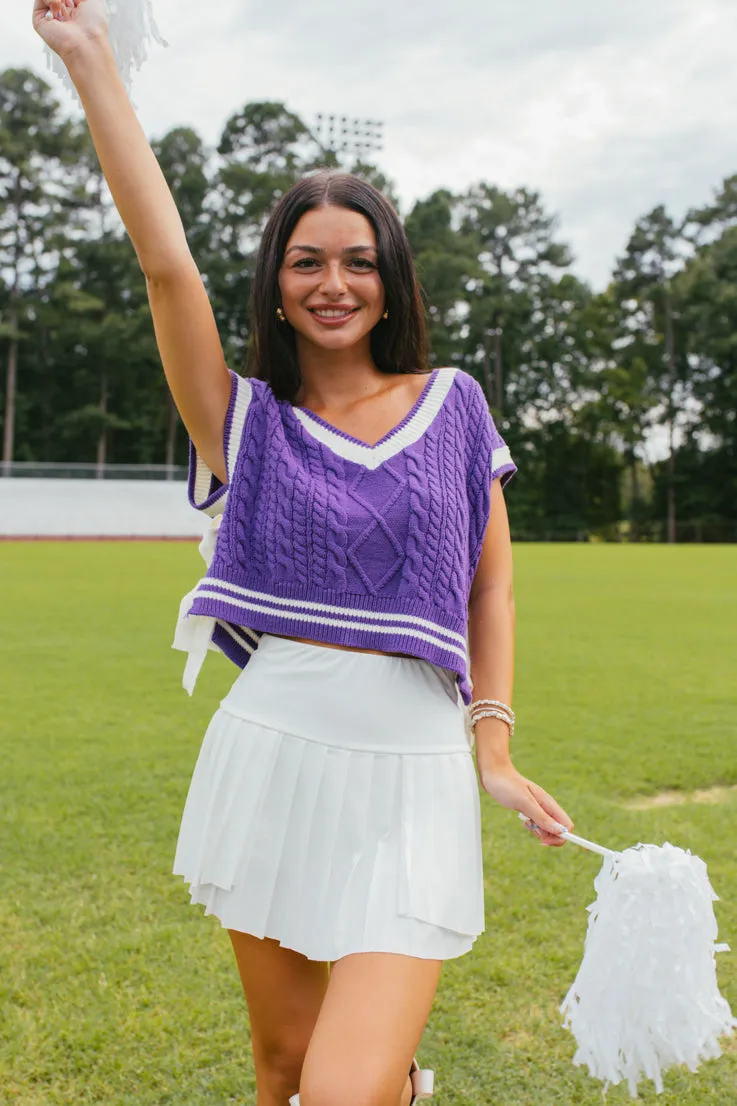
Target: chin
column 336, row 339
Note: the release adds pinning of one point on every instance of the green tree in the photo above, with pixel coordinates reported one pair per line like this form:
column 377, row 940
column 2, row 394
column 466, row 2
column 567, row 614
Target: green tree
column 36, row 148
column 650, row 334
column 519, row 257
column 264, row 148
column 708, row 290
column 447, row 263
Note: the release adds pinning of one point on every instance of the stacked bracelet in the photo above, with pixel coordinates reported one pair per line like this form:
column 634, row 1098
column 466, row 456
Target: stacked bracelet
column 492, row 708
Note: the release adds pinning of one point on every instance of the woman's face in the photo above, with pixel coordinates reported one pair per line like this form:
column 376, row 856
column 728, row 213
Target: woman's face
column 331, row 290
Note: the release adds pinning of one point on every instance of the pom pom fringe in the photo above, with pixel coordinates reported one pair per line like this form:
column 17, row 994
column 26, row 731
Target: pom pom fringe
column 646, row 994
column 131, row 26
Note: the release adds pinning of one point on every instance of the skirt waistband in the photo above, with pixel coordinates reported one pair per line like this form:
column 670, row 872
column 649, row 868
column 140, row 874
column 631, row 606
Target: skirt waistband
column 362, row 701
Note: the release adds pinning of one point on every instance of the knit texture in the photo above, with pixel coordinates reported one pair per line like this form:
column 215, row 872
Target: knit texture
column 325, row 537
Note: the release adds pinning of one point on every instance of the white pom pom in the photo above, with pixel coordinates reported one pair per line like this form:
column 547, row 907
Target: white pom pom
column 646, row 995
column 131, row 26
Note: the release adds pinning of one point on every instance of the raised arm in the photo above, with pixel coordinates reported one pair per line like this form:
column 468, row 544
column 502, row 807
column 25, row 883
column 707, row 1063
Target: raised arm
column 186, row 334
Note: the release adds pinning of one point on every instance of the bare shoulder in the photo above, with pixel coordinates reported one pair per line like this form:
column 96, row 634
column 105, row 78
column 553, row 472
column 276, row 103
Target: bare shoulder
column 418, row 382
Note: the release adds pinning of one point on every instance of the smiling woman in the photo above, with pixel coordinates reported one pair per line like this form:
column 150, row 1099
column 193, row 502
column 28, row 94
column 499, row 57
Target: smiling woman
column 335, row 286
column 335, row 243
column 333, row 818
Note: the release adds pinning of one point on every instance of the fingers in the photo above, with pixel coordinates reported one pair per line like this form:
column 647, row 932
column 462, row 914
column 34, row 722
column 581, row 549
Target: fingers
column 60, row 9
column 546, row 818
column 536, row 812
column 552, row 809
column 552, row 839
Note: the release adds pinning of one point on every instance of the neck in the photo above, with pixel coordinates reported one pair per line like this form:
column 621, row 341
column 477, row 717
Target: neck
column 332, row 379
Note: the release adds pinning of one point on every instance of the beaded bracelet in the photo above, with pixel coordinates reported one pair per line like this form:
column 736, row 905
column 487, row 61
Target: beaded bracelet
column 486, row 708
column 493, row 714
column 492, row 703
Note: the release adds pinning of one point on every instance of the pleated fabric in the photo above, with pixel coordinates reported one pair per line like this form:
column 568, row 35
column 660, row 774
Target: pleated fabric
column 334, row 807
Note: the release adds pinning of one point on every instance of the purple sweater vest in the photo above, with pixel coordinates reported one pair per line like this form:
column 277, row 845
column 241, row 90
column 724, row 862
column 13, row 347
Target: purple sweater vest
column 322, row 536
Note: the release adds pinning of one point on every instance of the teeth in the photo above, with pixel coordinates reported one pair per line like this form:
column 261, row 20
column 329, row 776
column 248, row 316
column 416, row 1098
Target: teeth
column 332, row 314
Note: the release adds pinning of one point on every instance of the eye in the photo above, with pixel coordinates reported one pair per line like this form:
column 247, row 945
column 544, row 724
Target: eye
column 305, row 263
column 363, row 263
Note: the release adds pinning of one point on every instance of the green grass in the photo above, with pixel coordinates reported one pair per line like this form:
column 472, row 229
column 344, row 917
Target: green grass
column 114, row 990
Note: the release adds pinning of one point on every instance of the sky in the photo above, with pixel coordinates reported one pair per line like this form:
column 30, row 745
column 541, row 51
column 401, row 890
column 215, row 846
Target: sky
column 606, row 109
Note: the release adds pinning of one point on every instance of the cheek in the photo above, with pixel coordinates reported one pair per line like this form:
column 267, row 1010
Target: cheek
column 377, row 294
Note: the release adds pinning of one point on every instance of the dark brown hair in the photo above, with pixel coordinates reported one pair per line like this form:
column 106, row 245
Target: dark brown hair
column 397, row 343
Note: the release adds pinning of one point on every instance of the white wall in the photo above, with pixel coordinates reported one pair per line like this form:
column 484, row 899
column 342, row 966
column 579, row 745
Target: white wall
column 97, row 509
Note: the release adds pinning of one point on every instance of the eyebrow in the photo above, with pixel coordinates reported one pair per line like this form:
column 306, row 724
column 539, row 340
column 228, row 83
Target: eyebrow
column 317, row 250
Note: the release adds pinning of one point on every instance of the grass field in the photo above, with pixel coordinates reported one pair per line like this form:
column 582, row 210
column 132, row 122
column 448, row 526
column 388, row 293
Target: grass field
column 114, row 990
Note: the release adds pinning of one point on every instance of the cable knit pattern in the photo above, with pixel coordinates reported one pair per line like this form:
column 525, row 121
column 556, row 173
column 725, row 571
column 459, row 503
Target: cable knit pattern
column 318, row 466
column 337, row 526
column 328, row 538
column 301, row 535
column 282, row 488
column 422, row 545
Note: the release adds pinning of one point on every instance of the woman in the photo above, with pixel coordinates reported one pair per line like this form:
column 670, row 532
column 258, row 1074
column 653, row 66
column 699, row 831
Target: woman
column 363, row 560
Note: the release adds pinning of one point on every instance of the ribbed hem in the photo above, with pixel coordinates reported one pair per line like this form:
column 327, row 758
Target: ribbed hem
column 387, row 624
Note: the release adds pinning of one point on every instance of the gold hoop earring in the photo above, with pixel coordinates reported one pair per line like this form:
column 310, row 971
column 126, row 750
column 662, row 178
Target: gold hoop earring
column 385, row 315
column 280, row 315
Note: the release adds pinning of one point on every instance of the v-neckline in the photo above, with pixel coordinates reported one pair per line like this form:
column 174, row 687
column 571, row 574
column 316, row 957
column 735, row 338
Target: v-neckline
column 413, row 411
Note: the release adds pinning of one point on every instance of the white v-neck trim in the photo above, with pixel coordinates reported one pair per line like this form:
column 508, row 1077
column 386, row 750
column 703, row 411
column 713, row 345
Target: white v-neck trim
column 371, row 456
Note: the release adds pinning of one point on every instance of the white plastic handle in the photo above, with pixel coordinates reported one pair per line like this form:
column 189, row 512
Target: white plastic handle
column 574, row 839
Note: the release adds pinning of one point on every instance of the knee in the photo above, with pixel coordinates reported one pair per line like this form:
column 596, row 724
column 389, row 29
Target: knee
column 279, row 1067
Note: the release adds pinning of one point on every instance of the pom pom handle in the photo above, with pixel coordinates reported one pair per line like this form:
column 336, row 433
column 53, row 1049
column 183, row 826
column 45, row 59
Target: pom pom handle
column 574, row 839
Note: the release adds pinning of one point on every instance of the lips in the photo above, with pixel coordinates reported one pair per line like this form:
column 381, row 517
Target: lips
column 329, row 313
column 333, row 317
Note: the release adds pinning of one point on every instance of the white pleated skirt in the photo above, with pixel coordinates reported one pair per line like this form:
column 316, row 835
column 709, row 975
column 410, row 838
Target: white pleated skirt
column 335, row 807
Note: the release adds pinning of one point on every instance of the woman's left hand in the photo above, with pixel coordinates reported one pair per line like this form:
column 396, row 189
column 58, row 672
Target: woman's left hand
column 505, row 784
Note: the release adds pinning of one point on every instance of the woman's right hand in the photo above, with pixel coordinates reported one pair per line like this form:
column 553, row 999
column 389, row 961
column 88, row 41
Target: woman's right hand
column 75, row 23
column 514, row 791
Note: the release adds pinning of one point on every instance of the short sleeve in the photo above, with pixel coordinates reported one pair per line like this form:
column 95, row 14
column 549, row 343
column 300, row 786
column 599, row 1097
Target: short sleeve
column 489, row 459
column 501, row 465
column 205, row 491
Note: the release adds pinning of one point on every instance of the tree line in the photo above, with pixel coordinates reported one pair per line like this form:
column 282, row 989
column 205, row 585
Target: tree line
column 577, row 380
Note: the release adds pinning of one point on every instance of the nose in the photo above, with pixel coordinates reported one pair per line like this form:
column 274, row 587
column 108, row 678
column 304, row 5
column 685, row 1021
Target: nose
column 333, row 282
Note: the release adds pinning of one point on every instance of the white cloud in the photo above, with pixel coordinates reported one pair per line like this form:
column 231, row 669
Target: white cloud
column 605, row 109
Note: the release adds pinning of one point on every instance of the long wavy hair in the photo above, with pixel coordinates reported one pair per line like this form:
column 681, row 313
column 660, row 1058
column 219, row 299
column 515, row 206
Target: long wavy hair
column 398, row 344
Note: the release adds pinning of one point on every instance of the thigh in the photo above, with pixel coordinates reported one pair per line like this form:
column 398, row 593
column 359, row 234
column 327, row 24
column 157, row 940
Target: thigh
column 284, row 992
column 370, row 1025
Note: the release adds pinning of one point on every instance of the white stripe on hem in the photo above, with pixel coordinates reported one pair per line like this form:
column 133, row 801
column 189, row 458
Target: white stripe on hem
column 203, row 593
column 243, row 396
column 203, row 474
column 237, row 637
column 501, row 457
column 312, row 605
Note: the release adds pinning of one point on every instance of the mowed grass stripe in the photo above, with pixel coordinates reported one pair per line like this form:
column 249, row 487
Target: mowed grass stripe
column 114, row 990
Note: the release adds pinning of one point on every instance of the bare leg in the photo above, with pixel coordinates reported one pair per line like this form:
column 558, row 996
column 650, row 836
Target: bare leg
column 368, row 1029
column 284, row 992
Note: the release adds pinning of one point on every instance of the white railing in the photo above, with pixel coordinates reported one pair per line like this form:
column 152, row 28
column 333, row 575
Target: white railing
column 57, row 470
column 33, row 506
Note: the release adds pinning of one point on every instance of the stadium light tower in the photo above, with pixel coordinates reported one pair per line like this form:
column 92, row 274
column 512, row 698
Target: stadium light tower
column 349, row 136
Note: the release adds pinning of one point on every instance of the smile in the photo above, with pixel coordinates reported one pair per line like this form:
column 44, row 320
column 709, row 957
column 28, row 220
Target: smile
column 330, row 314
column 333, row 316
